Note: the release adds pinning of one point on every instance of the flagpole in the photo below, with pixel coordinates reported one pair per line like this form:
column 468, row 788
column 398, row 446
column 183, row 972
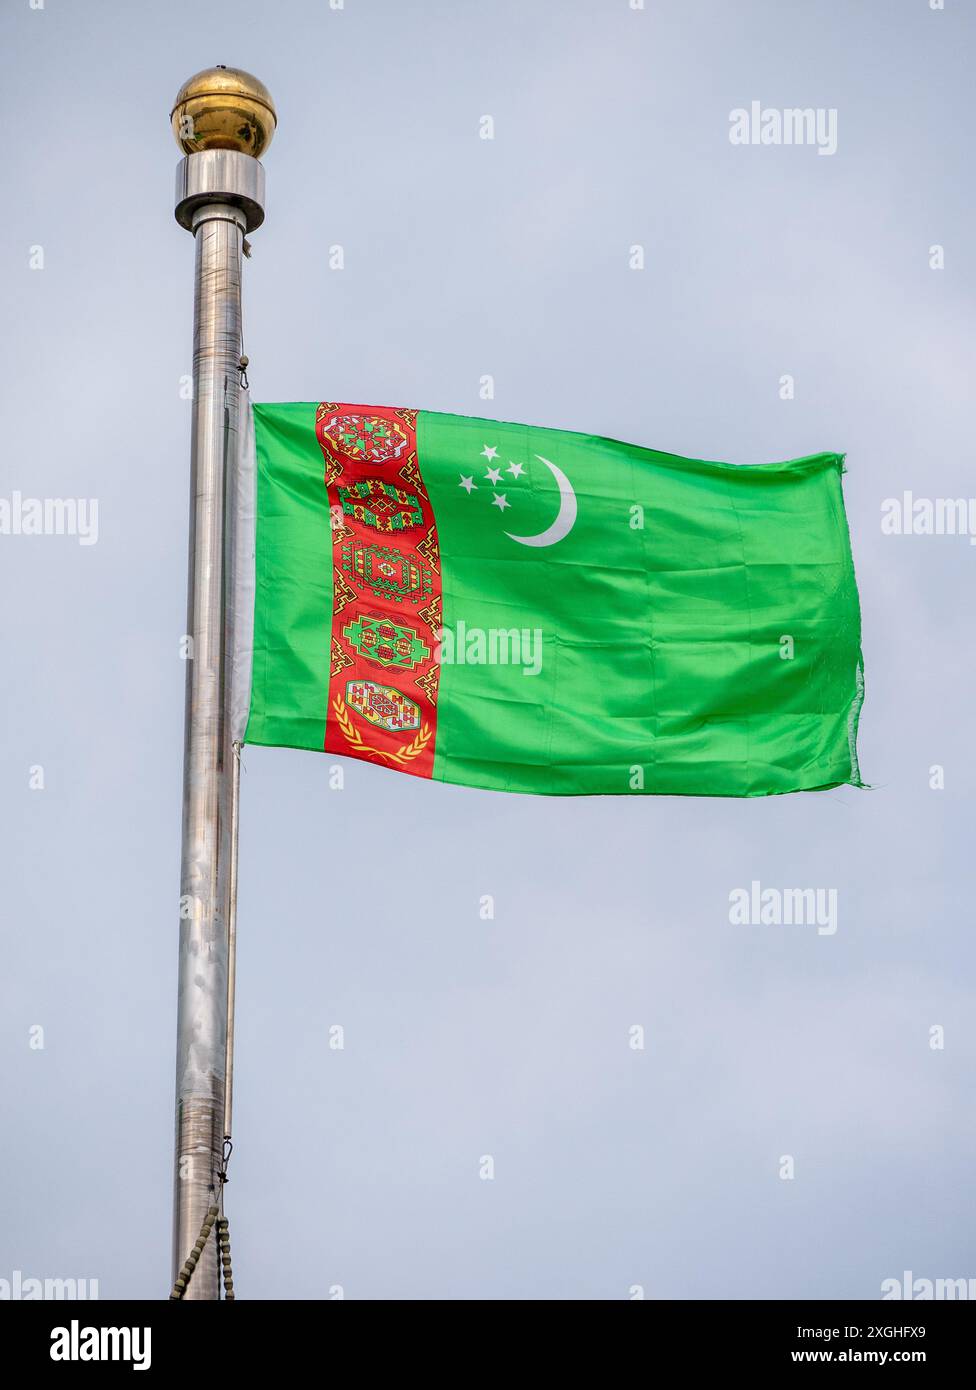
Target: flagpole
column 223, row 119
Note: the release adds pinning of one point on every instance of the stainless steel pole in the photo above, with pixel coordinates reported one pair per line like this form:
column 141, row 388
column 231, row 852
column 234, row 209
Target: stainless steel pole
column 208, row 782
column 220, row 197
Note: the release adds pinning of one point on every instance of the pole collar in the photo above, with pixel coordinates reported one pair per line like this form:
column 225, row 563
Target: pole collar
column 220, row 176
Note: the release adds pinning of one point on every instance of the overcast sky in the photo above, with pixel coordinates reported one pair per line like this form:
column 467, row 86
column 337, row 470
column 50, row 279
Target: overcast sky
column 614, row 1167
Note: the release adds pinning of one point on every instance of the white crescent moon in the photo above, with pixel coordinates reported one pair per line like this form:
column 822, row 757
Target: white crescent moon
column 565, row 517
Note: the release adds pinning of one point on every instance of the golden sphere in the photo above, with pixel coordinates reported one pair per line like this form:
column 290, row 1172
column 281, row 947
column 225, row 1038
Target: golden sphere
column 224, row 109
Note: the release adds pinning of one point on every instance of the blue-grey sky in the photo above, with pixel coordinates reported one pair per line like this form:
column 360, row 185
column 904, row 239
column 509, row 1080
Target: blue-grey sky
column 464, row 257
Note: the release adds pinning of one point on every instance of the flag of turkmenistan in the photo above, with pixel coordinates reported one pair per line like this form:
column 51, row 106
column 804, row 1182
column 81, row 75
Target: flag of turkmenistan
column 536, row 610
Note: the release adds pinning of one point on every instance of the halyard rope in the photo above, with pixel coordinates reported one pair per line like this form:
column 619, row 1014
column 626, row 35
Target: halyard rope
column 223, row 1241
column 186, row 1273
column 227, row 1274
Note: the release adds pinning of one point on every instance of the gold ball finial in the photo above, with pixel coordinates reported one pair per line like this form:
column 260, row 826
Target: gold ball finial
column 224, row 109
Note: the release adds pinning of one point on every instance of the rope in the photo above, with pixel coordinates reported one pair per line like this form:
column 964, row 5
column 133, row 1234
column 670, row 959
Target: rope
column 243, row 360
column 186, row 1273
column 227, row 1274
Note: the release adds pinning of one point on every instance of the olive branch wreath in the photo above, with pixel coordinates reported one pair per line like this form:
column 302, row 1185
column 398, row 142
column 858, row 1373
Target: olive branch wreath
column 404, row 754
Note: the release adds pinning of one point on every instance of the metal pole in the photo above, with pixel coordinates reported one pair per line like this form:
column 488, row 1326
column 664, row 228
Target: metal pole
column 208, row 784
column 220, row 196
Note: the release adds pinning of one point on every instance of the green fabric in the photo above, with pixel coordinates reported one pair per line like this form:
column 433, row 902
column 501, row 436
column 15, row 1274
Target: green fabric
column 665, row 645
column 292, row 582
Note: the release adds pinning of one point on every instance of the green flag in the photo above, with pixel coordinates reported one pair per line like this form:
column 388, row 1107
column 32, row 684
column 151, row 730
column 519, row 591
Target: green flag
column 535, row 610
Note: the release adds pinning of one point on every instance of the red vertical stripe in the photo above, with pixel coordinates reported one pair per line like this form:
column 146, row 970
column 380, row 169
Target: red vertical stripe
column 387, row 588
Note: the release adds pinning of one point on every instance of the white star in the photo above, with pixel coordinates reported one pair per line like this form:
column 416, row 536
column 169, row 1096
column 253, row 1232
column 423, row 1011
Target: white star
column 500, row 501
column 515, row 469
column 488, row 452
column 493, row 476
column 468, row 484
